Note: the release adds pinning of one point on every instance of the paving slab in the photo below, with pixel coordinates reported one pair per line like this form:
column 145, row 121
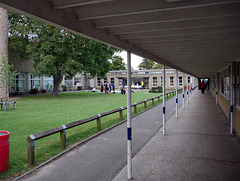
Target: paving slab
column 198, row 146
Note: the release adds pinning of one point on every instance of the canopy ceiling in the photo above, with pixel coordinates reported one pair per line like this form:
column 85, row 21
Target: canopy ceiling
column 199, row 37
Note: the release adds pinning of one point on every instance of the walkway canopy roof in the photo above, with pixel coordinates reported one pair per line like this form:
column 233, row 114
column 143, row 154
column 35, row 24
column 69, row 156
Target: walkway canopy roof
column 199, row 37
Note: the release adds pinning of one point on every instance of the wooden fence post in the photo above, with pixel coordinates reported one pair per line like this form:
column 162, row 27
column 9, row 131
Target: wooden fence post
column 145, row 104
column 63, row 137
column 121, row 114
column 99, row 123
column 31, row 148
column 158, row 98
column 135, row 108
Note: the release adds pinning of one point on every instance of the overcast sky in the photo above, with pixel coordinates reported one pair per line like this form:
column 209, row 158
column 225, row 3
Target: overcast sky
column 135, row 60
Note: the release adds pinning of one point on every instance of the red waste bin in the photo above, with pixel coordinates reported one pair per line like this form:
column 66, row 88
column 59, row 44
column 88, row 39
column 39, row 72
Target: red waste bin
column 4, row 150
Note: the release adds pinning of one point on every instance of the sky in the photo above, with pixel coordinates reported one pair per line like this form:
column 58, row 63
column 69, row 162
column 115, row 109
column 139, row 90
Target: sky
column 135, row 60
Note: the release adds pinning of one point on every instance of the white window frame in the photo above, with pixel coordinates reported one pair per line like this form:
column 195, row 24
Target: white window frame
column 180, row 83
column 154, row 82
column 171, row 84
column 98, row 82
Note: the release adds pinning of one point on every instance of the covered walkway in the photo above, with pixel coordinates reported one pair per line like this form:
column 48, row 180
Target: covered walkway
column 197, row 146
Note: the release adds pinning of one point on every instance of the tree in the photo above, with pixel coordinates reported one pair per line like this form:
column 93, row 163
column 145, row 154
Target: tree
column 7, row 76
column 56, row 52
column 146, row 64
column 117, row 63
column 158, row 66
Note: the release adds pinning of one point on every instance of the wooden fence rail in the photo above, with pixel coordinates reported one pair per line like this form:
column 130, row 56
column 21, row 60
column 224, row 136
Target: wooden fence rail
column 62, row 129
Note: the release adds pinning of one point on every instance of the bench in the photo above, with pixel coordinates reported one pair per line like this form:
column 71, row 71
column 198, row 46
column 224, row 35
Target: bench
column 5, row 104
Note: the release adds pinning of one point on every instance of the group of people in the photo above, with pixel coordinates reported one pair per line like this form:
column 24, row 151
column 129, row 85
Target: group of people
column 108, row 88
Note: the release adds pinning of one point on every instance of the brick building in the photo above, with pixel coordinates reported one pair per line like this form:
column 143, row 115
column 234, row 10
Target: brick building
column 3, row 43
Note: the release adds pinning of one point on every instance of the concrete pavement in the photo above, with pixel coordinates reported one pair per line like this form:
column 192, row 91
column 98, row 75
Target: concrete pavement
column 198, row 146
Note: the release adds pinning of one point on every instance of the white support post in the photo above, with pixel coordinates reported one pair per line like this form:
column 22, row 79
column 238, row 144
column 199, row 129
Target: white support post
column 187, row 90
column 212, row 86
column 129, row 121
column 183, row 90
column 217, row 89
column 176, row 93
column 231, row 97
column 164, row 103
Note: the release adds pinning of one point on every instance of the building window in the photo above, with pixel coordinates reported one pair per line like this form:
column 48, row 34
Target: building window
column 224, row 82
column 171, row 81
column 91, row 82
column 189, row 79
column 98, row 82
column 105, row 80
column 154, row 82
column 34, row 82
column 68, row 83
column 112, row 80
column 77, row 81
column 161, row 81
column 180, row 81
column 20, row 82
column 48, row 83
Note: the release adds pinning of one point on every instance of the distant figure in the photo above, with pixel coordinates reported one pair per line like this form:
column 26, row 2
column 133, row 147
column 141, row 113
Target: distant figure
column 101, row 87
column 107, row 88
column 202, row 87
column 110, row 87
column 113, row 87
column 142, row 84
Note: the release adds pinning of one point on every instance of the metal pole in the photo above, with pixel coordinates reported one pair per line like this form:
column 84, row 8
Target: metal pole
column 164, row 102
column 129, row 121
column 212, row 86
column 183, row 90
column 176, row 93
column 187, row 90
column 217, row 87
column 231, row 97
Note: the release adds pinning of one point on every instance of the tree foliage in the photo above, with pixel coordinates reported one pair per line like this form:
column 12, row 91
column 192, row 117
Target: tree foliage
column 146, row 64
column 7, row 75
column 117, row 63
column 57, row 52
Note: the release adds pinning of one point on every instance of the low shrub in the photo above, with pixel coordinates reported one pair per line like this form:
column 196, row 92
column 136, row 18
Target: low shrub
column 64, row 88
column 33, row 91
column 79, row 87
column 156, row 90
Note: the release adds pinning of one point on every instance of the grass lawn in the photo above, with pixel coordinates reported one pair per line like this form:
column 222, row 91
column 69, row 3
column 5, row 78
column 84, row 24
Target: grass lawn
column 38, row 113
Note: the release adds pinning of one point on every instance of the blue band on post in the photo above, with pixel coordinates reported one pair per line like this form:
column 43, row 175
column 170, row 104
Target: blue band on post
column 183, row 95
column 176, row 100
column 216, row 93
column 187, row 92
column 163, row 110
column 129, row 133
column 190, row 90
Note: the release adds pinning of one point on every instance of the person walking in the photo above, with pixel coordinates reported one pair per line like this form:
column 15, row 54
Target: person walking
column 142, row 84
column 202, row 86
column 113, row 87
column 101, row 87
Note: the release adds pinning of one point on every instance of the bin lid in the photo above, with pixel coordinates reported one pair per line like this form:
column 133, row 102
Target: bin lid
column 2, row 134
